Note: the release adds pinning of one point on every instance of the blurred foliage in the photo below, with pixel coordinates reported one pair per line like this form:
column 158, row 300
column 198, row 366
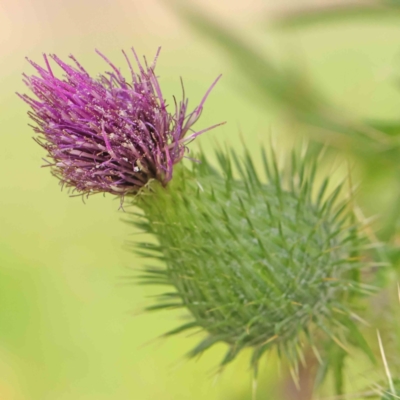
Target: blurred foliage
column 330, row 13
column 392, row 392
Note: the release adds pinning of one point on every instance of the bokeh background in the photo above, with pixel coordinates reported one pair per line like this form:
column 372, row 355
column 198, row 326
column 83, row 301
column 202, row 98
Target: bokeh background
column 70, row 321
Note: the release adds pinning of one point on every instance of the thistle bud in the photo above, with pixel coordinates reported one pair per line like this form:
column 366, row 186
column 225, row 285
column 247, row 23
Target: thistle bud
column 108, row 134
column 255, row 264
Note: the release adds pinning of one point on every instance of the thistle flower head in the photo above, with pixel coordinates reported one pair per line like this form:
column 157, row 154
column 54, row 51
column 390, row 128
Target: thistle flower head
column 106, row 134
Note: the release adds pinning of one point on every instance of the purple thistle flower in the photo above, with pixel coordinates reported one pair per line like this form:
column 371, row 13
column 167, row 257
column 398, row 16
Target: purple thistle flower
column 105, row 134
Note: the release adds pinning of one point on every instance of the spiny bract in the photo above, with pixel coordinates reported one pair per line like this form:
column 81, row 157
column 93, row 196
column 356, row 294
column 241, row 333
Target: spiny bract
column 256, row 264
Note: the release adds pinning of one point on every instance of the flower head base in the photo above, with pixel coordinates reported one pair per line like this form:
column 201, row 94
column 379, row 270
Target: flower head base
column 256, row 264
column 105, row 134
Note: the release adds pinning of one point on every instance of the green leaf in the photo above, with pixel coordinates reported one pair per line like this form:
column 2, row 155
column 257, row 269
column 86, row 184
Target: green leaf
column 391, row 128
column 288, row 88
column 309, row 17
column 259, row 70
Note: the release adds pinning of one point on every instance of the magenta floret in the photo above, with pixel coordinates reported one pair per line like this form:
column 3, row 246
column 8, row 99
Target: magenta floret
column 107, row 134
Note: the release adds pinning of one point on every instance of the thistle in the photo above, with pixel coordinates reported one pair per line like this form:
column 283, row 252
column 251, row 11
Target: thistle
column 108, row 134
column 257, row 264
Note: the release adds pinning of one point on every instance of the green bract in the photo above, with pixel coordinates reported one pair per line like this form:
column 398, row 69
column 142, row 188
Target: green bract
column 256, row 264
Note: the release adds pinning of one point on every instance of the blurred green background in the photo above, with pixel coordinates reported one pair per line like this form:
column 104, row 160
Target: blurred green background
column 69, row 323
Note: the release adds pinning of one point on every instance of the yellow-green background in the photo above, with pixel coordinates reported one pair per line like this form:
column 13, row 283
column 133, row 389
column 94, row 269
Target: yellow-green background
column 68, row 323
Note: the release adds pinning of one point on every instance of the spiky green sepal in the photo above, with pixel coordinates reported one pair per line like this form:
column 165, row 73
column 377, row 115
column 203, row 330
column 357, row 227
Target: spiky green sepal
column 256, row 264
